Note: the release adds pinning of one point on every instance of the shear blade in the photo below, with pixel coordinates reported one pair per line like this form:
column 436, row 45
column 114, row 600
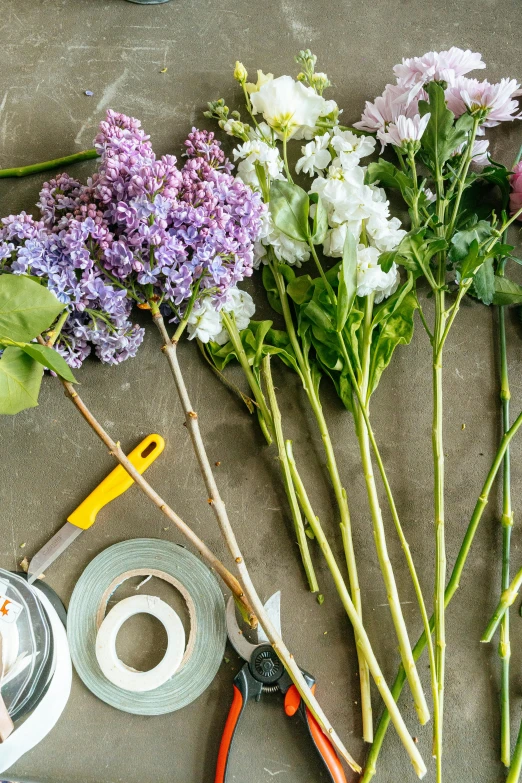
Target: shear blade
column 238, row 640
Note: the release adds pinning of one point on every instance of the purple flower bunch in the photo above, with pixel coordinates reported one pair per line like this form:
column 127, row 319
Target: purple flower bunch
column 98, row 312
column 141, row 230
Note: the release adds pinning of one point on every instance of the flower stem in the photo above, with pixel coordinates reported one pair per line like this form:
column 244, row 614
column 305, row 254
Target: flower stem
column 339, row 491
column 515, row 768
column 504, row 647
column 362, row 639
column 285, row 156
column 378, row 525
column 277, row 428
column 507, row 598
column 220, row 512
column 451, row 589
column 36, row 168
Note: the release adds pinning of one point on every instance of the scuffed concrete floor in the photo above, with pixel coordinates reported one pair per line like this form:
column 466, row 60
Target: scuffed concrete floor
column 51, row 53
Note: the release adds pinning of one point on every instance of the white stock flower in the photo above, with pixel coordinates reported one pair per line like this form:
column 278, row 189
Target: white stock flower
column 287, row 250
column 257, row 151
column 371, row 279
column 385, row 235
column 350, row 148
column 241, row 304
column 204, row 322
column 316, row 156
column 288, row 106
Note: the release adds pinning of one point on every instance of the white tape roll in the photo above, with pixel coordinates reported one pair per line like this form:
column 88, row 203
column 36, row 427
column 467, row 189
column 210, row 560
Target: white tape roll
column 124, row 676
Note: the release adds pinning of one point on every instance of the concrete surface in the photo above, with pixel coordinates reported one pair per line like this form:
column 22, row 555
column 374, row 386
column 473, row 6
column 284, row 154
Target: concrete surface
column 52, row 51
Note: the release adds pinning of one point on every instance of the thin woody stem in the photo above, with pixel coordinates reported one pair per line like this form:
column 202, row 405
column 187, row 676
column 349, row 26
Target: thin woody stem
column 515, row 768
column 507, row 599
column 220, row 512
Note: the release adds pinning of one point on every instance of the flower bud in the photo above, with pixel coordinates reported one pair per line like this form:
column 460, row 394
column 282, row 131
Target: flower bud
column 240, row 72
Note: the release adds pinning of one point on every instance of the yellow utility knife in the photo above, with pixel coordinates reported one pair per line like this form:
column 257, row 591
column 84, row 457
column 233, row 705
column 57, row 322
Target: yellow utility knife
column 116, row 483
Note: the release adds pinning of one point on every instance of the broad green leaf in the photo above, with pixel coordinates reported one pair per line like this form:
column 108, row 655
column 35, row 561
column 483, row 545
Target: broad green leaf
column 484, row 282
column 49, row 358
column 470, row 262
column 317, row 315
column 507, row 292
column 387, row 259
column 389, row 176
column 26, row 308
column 271, row 289
column 385, row 309
column 289, row 207
column 20, row 380
column 300, row 289
column 441, row 138
column 347, row 281
column 397, row 330
column 461, row 241
column 320, row 224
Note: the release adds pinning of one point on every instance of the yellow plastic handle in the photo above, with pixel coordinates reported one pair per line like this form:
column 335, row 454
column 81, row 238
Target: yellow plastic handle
column 117, row 482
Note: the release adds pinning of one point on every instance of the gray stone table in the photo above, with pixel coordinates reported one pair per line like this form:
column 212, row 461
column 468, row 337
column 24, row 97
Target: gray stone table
column 52, row 52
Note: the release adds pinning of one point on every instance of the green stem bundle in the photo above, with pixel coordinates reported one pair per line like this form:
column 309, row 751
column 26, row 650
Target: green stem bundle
column 450, row 591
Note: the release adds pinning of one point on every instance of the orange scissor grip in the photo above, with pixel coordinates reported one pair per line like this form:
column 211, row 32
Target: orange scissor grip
column 228, row 733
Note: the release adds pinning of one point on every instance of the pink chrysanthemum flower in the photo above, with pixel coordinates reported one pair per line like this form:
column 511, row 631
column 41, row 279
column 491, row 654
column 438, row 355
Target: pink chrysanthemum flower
column 393, row 103
column 446, row 66
column 494, row 101
column 406, row 130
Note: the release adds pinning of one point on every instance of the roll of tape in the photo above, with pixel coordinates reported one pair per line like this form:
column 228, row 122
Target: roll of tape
column 124, row 676
column 44, row 717
column 207, row 637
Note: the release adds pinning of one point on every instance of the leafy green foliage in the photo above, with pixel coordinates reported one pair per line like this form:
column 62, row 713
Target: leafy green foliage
column 506, row 292
column 442, row 136
column 389, row 176
column 290, row 207
column 347, row 281
column 484, row 282
column 26, row 309
column 20, row 380
column 394, row 329
column 320, row 224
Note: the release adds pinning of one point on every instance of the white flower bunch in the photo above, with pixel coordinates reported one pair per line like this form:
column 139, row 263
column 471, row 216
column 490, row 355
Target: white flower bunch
column 353, row 206
column 206, row 324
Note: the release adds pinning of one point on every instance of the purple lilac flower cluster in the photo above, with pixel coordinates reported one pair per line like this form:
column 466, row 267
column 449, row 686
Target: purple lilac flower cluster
column 141, row 230
column 99, row 313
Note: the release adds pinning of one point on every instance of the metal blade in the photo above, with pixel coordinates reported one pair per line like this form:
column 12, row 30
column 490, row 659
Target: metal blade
column 53, row 549
column 273, row 610
column 239, row 642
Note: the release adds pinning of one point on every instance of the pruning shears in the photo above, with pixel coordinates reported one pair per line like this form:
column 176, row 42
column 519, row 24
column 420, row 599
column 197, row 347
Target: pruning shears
column 263, row 672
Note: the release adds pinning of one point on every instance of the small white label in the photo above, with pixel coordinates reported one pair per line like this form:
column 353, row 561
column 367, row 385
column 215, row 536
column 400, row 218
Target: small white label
column 9, row 610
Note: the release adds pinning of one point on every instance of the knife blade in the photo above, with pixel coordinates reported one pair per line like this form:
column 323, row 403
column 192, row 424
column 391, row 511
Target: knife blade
column 114, row 485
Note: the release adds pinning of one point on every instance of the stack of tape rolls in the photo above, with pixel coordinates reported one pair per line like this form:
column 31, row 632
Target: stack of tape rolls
column 185, row 671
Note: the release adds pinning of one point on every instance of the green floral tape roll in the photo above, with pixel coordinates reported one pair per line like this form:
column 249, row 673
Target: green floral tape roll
column 207, row 637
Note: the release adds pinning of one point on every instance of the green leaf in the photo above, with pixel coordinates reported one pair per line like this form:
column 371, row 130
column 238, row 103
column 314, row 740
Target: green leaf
column 506, row 292
column 320, row 225
column 387, row 259
column 49, row 358
column 484, row 282
column 317, row 315
column 300, row 289
column 289, row 207
column 271, row 289
column 389, row 176
column 347, row 281
column 441, row 137
column 396, row 330
column 470, row 262
column 26, row 308
column 461, row 241
column 20, row 379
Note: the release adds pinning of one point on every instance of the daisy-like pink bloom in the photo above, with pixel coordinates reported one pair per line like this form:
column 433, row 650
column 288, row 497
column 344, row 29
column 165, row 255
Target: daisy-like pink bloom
column 406, row 129
column 440, row 66
column 393, row 103
column 495, row 101
column 515, row 199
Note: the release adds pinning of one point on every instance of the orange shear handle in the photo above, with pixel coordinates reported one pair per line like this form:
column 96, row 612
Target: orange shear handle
column 228, row 734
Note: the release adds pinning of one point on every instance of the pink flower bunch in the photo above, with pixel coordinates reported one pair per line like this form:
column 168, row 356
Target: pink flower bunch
column 390, row 114
column 515, row 199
